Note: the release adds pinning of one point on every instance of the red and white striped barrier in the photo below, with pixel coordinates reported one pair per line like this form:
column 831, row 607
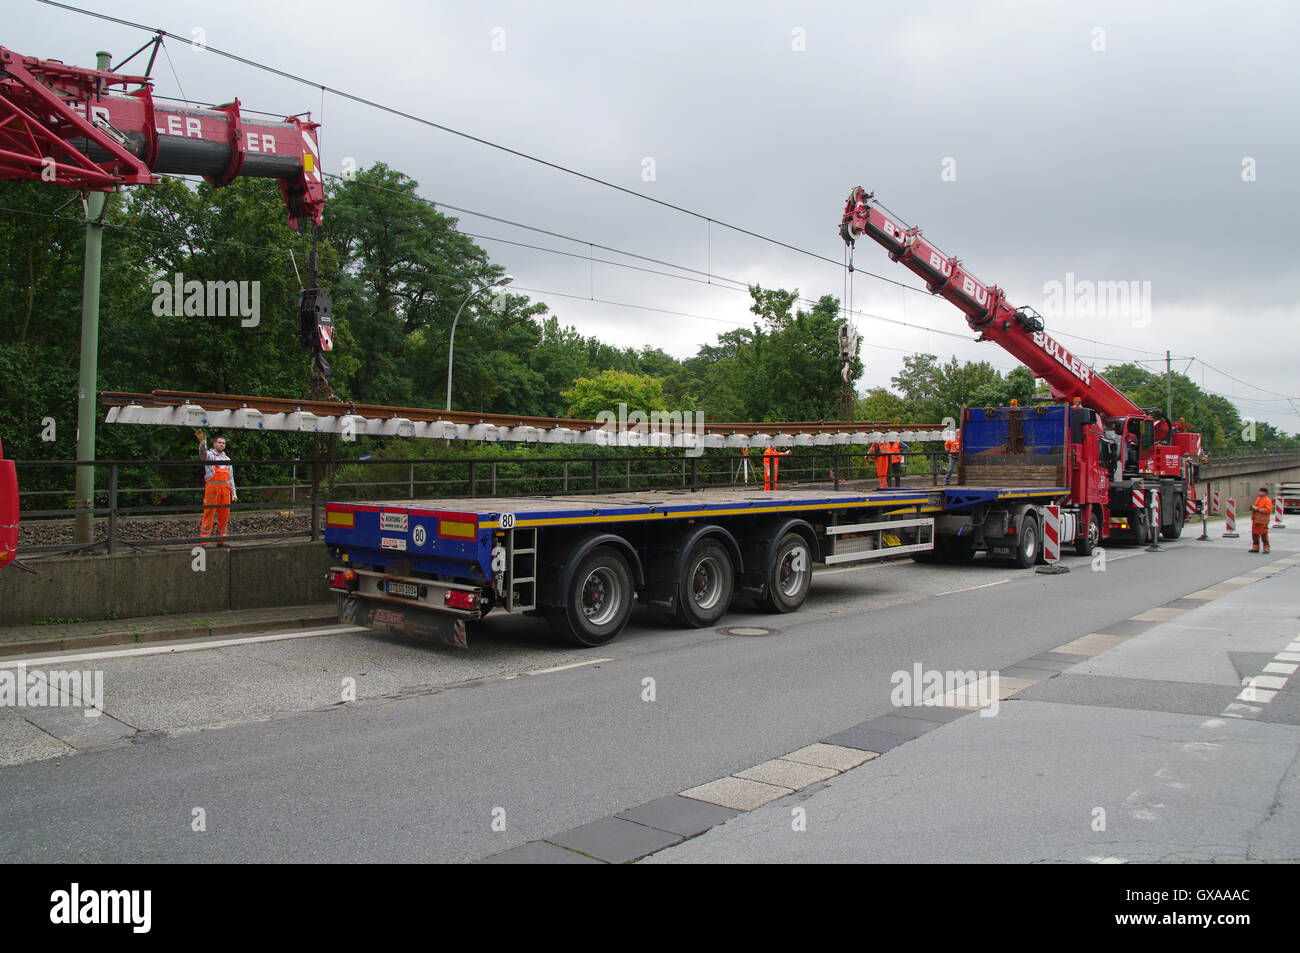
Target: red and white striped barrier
column 1277, row 512
column 1191, row 508
column 1230, row 520
column 1052, row 534
column 1217, row 508
column 1139, row 499
column 1155, row 517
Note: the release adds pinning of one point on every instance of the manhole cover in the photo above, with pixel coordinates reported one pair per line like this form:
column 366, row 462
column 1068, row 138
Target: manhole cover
column 747, row 631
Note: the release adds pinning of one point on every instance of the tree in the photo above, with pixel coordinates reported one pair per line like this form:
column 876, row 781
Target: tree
column 882, row 406
column 407, row 270
column 786, row 368
column 603, row 394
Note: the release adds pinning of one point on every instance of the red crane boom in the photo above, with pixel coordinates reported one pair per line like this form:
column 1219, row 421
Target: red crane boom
column 99, row 130
column 1018, row 330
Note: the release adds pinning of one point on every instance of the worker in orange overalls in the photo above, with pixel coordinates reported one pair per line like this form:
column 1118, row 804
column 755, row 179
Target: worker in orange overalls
column 1261, row 511
column 882, row 464
column 895, row 450
column 771, row 464
column 953, row 447
column 218, row 485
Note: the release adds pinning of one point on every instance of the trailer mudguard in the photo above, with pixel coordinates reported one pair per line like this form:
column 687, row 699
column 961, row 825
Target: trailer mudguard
column 557, row 565
column 752, row 580
column 669, row 562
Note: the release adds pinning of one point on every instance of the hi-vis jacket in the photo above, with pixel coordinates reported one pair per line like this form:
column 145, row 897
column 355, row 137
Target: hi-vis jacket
column 219, row 469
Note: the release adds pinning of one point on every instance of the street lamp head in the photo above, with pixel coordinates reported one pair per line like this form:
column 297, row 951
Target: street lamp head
column 503, row 281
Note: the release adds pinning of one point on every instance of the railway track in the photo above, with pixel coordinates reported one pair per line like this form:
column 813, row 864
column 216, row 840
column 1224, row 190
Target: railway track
column 241, row 412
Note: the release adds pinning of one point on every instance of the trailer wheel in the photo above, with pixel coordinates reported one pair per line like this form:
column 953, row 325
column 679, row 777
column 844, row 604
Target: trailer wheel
column 1084, row 545
column 598, row 602
column 1027, row 548
column 704, row 591
column 1175, row 529
column 789, row 576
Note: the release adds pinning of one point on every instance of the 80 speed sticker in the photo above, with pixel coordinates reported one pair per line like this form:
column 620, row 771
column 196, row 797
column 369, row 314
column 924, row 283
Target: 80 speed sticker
column 418, row 535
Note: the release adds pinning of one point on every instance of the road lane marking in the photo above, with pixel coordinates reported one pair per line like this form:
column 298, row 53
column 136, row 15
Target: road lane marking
column 949, row 592
column 165, row 648
column 563, row 668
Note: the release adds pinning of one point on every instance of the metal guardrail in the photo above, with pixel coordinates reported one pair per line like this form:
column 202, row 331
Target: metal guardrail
column 477, row 477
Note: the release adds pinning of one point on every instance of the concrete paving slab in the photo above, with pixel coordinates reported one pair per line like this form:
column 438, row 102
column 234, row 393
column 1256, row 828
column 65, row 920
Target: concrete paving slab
column 1057, row 656
column 866, row 739
column 1027, row 672
column 829, row 756
column 738, row 793
column 1093, row 644
column 931, row 713
column 538, row 852
column 1160, row 614
column 898, row 724
column 614, row 840
column 787, row 774
column 679, row 815
column 1128, row 627
column 1213, row 592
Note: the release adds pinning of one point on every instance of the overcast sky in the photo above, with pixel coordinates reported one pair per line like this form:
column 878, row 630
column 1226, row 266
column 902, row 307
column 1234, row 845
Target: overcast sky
column 1117, row 142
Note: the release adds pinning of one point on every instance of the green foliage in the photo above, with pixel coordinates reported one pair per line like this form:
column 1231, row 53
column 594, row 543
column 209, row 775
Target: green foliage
column 786, row 368
column 604, row 393
column 882, row 406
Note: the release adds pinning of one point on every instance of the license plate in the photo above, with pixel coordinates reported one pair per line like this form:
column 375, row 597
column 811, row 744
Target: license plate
column 408, row 589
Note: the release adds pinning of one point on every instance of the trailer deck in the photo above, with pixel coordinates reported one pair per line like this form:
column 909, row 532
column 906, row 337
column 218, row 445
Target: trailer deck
column 526, row 511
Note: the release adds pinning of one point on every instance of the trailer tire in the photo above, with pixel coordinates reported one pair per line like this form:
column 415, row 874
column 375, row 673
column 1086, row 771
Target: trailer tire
column 707, row 583
column 599, row 600
column 787, row 585
column 1028, row 546
column 1085, row 544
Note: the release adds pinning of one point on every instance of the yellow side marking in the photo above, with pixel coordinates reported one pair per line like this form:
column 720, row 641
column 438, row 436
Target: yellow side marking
column 750, row 510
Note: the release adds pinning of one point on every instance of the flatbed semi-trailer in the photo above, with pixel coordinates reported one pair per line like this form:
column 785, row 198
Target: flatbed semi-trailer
column 426, row 567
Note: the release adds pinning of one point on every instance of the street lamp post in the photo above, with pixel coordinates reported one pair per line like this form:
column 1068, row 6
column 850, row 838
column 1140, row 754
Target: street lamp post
column 451, row 346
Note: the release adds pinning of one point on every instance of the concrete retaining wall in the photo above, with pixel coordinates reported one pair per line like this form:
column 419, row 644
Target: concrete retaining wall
column 155, row 583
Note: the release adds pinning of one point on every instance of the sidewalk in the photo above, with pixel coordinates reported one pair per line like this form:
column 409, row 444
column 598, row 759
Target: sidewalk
column 1143, row 748
column 26, row 639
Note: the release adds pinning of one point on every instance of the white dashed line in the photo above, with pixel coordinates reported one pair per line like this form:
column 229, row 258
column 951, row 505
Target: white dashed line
column 165, row 648
column 986, row 585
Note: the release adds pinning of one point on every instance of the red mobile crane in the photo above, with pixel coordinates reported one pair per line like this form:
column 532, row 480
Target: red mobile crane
column 1119, row 453
column 98, row 130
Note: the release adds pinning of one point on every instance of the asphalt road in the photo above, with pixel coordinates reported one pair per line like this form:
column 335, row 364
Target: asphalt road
column 455, row 757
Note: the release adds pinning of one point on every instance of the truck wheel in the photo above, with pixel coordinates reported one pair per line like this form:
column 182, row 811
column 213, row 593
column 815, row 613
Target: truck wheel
column 704, row 592
column 599, row 600
column 789, row 576
column 1028, row 547
column 1084, row 545
column 1175, row 530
